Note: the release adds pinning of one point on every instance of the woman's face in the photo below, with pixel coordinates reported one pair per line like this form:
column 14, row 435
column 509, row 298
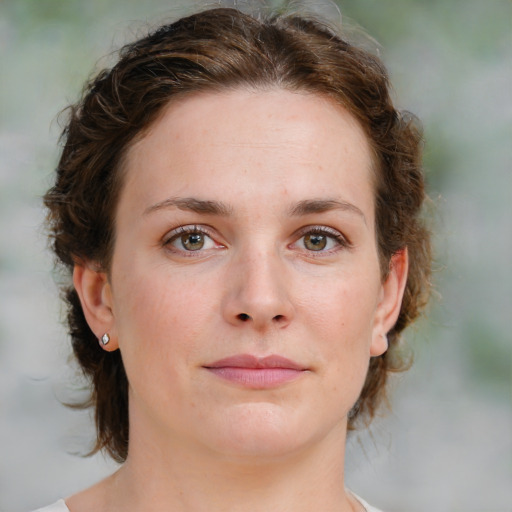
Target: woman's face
column 245, row 293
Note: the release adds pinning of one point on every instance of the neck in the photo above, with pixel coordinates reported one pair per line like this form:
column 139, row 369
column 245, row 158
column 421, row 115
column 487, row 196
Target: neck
column 175, row 476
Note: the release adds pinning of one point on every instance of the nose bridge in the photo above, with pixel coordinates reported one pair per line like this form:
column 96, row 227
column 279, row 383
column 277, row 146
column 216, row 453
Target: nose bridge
column 258, row 292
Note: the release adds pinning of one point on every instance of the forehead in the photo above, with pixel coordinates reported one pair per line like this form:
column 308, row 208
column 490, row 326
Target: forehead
column 229, row 142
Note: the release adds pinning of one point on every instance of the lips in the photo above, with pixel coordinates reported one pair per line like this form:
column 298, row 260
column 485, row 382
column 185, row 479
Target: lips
column 257, row 372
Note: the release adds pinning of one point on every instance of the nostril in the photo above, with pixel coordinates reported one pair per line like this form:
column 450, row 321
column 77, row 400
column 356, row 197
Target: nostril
column 277, row 318
column 244, row 317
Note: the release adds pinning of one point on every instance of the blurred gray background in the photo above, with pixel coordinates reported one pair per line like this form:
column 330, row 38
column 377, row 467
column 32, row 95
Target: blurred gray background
column 447, row 445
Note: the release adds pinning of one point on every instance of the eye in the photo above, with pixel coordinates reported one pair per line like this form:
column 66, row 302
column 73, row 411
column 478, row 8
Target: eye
column 315, row 241
column 190, row 239
column 321, row 239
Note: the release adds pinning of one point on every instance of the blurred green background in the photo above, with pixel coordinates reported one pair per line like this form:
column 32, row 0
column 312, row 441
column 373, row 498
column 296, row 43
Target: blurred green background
column 447, row 445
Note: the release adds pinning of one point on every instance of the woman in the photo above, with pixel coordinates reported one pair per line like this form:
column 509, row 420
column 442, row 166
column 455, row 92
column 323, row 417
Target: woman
column 238, row 203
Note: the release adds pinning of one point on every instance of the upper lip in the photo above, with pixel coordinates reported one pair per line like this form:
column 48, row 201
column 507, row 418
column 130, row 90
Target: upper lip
column 255, row 362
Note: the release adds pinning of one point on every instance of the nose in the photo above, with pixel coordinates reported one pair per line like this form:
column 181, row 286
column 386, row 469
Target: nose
column 258, row 292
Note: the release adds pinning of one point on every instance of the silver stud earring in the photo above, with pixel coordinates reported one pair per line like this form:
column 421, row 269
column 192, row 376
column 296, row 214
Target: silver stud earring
column 105, row 339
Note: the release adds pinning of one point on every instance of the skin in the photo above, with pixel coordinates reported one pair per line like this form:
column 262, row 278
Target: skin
column 281, row 172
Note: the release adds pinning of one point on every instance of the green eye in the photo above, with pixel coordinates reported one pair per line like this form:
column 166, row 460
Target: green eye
column 192, row 241
column 187, row 239
column 315, row 242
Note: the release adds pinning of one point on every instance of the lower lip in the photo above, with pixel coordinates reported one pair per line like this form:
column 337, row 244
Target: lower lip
column 257, row 378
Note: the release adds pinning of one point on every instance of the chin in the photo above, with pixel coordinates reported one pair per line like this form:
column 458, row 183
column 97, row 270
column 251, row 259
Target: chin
column 263, row 431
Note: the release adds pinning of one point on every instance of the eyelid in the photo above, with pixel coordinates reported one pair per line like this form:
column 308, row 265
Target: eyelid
column 182, row 230
column 170, row 236
column 340, row 238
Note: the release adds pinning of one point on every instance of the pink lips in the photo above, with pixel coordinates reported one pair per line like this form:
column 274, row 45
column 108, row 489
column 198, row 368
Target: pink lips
column 257, row 373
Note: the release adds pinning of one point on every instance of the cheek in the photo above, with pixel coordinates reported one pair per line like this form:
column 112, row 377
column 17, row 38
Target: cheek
column 341, row 304
column 340, row 318
column 160, row 315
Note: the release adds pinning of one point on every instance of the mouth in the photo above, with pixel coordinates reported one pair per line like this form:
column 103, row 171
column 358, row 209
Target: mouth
column 257, row 372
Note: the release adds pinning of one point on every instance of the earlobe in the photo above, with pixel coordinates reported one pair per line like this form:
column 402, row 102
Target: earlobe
column 390, row 303
column 379, row 344
column 95, row 295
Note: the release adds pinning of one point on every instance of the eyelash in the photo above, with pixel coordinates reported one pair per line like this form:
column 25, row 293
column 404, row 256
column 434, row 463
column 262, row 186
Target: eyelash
column 175, row 234
column 333, row 234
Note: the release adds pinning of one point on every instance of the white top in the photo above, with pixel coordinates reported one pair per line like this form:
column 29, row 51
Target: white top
column 60, row 506
column 366, row 506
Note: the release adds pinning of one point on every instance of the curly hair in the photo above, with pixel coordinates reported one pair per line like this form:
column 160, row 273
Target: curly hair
column 215, row 50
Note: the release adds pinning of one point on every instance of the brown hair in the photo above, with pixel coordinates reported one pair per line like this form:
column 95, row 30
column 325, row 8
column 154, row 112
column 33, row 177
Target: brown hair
column 215, row 50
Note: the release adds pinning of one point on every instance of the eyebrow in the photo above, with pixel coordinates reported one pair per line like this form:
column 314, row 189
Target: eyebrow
column 209, row 207
column 192, row 204
column 311, row 206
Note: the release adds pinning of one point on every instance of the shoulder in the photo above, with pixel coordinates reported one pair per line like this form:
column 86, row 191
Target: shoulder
column 367, row 506
column 60, row 506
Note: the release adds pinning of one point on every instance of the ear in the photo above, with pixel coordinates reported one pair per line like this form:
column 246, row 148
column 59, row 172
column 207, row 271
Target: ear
column 390, row 302
column 95, row 295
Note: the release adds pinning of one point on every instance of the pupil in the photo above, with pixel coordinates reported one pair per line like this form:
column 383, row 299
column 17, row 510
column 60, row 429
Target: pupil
column 315, row 242
column 193, row 242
